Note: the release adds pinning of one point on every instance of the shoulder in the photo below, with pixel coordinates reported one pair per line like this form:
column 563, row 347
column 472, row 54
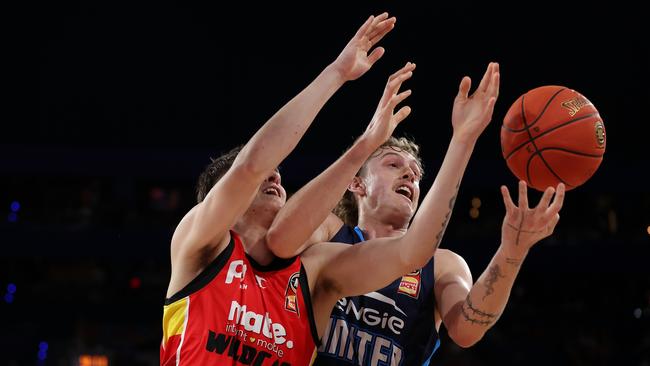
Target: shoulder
column 184, row 245
column 445, row 255
column 446, row 262
column 331, row 227
column 322, row 252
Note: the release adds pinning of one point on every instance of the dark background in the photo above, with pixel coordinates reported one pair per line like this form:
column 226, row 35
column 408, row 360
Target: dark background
column 114, row 108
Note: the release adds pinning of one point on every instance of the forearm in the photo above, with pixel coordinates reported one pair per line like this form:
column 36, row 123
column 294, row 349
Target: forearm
column 489, row 295
column 311, row 205
column 429, row 224
column 282, row 132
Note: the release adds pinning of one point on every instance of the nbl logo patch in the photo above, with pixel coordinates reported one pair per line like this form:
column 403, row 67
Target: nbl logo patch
column 410, row 284
column 291, row 294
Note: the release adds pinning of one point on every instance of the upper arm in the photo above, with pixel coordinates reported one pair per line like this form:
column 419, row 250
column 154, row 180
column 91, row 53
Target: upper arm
column 324, row 233
column 453, row 281
column 209, row 221
column 364, row 267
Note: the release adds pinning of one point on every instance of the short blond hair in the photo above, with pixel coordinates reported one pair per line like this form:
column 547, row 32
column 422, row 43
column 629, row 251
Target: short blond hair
column 347, row 208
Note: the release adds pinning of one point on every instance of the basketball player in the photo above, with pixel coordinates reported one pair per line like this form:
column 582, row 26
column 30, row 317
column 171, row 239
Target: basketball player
column 230, row 300
column 398, row 324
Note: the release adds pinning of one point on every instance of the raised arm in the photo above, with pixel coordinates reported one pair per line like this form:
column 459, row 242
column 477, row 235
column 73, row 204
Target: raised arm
column 308, row 209
column 469, row 311
column 206, row 225
column 385, row 259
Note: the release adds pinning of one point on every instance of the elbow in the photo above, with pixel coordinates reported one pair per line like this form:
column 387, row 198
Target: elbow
column 255, row 162
column 465, row 340
column 413, row 259
column 249, row 169
column 414, row 252
column 274, row 243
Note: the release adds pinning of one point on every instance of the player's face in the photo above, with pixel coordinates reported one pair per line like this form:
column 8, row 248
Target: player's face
column 392, row 181
column 271, row 191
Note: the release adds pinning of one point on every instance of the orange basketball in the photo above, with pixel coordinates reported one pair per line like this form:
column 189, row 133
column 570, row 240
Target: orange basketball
column 553, row 134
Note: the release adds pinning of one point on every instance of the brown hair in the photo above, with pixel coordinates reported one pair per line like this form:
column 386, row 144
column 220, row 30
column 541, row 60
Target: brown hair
column 214, row 171
column 347, row 208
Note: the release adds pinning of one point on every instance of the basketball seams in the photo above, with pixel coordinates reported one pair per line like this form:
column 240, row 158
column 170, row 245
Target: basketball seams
column 573, row 152
column 530, row 181
column 531, row 140
column 578, row 119
column 523, row 112
column 562, row 148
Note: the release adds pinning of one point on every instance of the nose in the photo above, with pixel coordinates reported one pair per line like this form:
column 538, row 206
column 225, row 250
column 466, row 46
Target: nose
column 274, row 177
column 409, row 175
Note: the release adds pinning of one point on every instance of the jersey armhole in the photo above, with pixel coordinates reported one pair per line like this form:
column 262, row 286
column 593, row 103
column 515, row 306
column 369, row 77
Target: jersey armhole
column 207, row 275
column 304, row 288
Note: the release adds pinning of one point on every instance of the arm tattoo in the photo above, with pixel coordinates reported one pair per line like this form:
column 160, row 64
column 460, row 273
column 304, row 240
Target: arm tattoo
column 476, row 316
column 493, row 277
column 452, row 201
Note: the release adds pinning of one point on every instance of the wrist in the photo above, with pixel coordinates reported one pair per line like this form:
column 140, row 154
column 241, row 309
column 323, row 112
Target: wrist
column 363, row 147
column 463, row 142
column 513, row 251
column 464, row 138
column 335, row 74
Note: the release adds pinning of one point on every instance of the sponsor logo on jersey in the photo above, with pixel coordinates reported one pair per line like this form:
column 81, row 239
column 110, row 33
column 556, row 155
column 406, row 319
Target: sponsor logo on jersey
column 258, row 324
column 291, row 294
column 410, row 284
column 237, row 269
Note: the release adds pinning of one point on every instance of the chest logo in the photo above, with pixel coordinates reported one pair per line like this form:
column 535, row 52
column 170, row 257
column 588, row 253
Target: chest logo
column 291, row 294
column 410, row 284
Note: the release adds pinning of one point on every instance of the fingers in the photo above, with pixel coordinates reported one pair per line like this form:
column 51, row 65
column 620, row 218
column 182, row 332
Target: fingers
column 408, row 67
column 490, row 108
column 402, row 114
column 379, row 18
column 493, row 87
column 395, row 81
column 487, row 77
column 463, row 89
column 523, row 195
column 507, row 200
column 558, row 200
column 364, row 28
column 397, row 99
column 552, row 223
column 378, row 31
column 546, row 199
column 375, row 55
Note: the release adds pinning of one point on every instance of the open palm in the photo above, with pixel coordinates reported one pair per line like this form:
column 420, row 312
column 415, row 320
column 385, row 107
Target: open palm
column 472, row 113
column 354, row 60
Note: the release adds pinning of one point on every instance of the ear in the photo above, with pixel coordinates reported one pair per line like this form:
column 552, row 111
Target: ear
column 357, row 186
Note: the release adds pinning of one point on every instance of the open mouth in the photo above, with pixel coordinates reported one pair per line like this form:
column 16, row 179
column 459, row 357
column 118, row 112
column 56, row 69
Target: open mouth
column 272, row 191
column 405, row 191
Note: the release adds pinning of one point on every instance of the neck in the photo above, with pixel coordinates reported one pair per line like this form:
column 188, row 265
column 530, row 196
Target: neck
column 374, row 228
column 252, row 228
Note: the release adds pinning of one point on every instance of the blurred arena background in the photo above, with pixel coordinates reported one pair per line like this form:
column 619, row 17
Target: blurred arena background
column 117, row 106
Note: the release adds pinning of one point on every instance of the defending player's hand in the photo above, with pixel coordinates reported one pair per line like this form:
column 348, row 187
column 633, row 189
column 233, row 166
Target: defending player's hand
column 385, row 120
column 472, row 113
column 354, row 60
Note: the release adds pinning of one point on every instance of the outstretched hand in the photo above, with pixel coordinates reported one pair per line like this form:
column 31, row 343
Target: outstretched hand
column 524, row 226
column 354, row 60
column 472, row 113
column 385, row 120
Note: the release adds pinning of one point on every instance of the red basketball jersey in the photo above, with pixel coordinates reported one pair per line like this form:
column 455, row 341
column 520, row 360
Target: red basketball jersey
column 237, row 312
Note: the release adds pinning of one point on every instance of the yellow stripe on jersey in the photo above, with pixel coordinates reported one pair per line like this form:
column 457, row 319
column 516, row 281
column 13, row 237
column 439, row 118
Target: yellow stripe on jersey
column 174, row 318
column 313, row 356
